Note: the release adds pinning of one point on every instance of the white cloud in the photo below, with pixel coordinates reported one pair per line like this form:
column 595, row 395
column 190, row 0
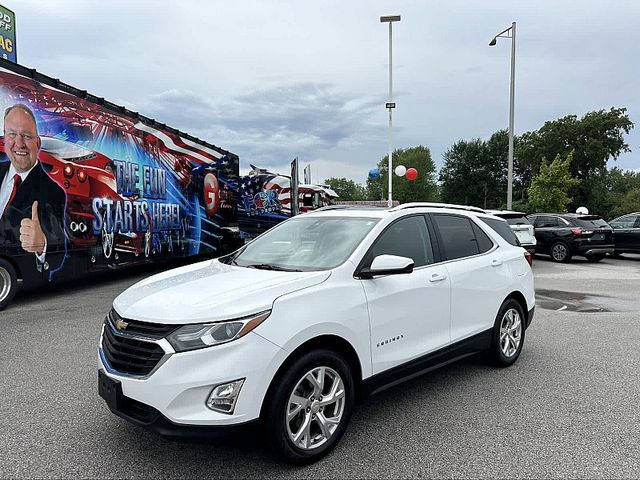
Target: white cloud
column 270, row 80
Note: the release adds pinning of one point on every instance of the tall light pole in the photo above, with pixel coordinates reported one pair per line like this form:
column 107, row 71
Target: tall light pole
column 510, row 33
column 390, row 105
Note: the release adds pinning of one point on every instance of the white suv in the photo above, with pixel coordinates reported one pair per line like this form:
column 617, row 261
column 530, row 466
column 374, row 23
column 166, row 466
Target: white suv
column 317, row 311
column 521, row 226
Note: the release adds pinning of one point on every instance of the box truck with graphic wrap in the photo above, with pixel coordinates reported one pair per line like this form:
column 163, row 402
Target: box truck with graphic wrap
column 87, row 185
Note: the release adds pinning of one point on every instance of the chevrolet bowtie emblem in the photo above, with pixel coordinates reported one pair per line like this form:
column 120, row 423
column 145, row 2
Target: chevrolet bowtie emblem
column 121, row 324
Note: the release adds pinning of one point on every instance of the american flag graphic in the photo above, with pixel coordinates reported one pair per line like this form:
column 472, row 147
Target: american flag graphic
column 254, row 184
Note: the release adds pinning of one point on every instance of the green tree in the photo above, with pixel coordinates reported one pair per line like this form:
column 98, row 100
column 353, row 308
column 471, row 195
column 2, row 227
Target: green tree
column 548, row 190
column 475, row 172
column 594, row 139
column 346, row 189
column 422, row 189
column 623, row 193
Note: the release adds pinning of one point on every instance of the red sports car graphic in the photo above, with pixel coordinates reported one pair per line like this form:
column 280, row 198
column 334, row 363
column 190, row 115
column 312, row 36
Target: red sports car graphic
column 84, row 175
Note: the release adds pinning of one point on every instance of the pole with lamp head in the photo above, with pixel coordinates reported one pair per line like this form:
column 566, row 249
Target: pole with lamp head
column 510, row 33
column 390, row 105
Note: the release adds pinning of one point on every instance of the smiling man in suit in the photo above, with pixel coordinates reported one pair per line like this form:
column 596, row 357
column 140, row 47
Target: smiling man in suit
column 32, row 205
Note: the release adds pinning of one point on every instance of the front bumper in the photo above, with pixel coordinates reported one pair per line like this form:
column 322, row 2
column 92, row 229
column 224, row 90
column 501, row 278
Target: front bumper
column 147, row 417
column 177, row 390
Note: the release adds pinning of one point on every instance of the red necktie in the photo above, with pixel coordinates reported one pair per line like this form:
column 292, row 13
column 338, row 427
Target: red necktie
column 17, row 180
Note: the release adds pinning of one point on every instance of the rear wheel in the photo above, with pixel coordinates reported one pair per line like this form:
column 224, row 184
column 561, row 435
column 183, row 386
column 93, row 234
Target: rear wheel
column 8, row 283
column 310, row 407
column 560, row 252
column 508, row 334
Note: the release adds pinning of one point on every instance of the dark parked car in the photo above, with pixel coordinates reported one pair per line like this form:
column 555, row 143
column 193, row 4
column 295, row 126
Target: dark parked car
column 563, row 235
column 627, row 233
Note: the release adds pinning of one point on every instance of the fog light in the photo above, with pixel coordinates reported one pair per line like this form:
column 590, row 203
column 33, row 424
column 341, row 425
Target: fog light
column 223, row 397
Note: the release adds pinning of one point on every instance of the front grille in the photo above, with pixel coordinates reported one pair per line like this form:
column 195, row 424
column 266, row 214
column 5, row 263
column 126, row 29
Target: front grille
column 155, row 331
column 131, row 352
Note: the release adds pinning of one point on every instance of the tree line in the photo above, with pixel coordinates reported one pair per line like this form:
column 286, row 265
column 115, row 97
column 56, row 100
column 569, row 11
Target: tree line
column 557, row 168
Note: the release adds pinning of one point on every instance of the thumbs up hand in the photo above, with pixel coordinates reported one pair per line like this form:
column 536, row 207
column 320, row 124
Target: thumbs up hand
column 31, row 235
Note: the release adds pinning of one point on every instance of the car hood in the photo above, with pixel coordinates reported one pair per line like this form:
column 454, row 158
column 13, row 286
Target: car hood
column 209, row 291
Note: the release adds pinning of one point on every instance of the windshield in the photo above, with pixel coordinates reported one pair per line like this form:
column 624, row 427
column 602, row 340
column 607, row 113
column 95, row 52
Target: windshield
column 305, row 243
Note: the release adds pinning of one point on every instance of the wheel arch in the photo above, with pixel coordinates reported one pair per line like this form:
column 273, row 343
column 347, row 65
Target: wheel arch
column 324, row 342
column 518, row 297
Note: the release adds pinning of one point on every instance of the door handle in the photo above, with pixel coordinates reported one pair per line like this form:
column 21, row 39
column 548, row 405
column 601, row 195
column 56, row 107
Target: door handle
column 496, row 263
column 437, row 277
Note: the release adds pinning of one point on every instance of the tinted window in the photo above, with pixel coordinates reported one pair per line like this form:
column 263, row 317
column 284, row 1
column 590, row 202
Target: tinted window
column 457, row 236
column 548, row 221
column 407, row 237
column 628, row 221
column 591, row 221
column 502, row 229
column 517, row 220
column 484, row 242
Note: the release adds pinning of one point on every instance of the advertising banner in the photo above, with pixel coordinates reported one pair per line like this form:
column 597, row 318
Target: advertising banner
column 101, row 189
column 8, row 35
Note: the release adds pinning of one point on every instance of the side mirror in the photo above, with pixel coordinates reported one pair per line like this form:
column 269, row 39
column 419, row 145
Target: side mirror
column 387, row 265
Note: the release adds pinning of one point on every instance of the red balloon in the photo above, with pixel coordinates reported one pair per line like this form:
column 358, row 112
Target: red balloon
column 411, row 174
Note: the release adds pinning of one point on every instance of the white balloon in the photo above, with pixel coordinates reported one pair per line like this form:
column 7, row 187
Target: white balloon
column 400, row 170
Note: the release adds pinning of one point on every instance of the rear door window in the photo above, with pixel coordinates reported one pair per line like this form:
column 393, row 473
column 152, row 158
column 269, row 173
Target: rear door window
column 457, row 234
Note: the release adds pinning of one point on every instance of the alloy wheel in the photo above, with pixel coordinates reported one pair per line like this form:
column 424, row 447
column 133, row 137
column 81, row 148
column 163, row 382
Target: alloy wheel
column 510, row 332
column 5, row 284
column 315, row 408
column 559, row 252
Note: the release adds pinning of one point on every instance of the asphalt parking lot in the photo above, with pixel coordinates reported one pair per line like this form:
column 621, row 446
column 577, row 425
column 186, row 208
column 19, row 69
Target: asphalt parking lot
column 568, row 408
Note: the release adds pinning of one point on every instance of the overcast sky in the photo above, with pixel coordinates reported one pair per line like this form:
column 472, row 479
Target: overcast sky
column 274, row 79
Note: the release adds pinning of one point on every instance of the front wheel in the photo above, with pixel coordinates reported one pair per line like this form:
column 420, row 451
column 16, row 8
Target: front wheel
column 310, row 407
column 508, row 334
column 8, row 283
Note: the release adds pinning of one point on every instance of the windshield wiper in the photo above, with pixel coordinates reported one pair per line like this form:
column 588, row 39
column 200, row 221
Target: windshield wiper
column 268, row 266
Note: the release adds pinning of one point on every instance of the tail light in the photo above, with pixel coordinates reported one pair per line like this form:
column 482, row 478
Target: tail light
column 82, row 175
column 529, row 258
column 579, row 231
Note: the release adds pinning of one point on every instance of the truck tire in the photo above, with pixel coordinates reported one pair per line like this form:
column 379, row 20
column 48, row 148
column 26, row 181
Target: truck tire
column 8, row 283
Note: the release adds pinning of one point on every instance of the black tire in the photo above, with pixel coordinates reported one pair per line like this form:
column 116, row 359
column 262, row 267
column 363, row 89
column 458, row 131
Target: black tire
column 8, row 283
column 560, row 252
column 616, row 255
column 502, row 351
column 279, row 429
column 594, row 258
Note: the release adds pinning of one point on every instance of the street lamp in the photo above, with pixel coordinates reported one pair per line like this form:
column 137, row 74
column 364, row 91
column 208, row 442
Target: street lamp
column 510, row 33
column 390, row 105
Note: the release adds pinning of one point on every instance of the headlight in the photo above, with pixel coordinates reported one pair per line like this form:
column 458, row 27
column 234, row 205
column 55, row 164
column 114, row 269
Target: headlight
column 201, row 335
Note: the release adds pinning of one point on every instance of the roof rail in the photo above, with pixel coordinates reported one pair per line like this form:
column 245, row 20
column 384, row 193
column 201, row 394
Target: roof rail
column 345, row 207
column 437, row 205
